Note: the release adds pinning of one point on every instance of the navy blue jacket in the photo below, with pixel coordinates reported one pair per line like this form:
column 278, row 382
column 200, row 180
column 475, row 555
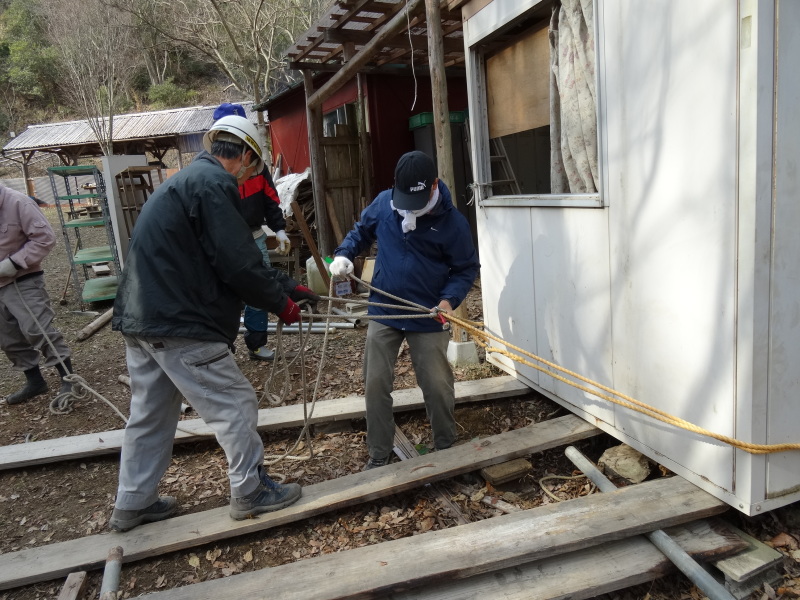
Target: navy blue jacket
column 436, row 261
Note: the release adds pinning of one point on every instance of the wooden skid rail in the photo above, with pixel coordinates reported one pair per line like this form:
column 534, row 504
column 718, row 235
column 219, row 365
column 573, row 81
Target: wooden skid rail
column 352, row 407
column 57, row 560
column 472, row 549
column 587, row 573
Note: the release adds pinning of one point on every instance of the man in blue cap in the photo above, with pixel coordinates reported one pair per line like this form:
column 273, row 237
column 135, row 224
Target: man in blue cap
column 260, row 206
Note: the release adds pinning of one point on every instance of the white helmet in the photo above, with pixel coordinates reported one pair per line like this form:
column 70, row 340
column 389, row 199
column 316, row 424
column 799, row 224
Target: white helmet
column 236, row 129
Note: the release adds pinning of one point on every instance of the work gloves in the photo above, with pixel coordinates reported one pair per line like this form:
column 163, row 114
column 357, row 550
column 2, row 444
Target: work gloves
column 341, row 267
column 290, row 314
column 285, row 245
column 301, row 292
column 7, row 268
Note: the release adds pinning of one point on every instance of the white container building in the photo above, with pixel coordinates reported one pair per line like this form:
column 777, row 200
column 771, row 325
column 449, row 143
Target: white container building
column 667, row 267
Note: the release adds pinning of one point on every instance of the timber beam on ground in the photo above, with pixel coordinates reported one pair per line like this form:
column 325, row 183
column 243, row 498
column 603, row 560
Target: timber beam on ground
column 48, row 562
column 459, row 552
column 587, row 573
column 194, row 430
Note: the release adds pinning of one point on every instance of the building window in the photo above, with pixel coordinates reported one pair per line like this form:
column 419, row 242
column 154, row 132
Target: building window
column 540, row 103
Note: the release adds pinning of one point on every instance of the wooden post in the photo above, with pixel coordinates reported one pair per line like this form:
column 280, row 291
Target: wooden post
column 314, row 121
column 441, row 120
column 95, row 325
column 441, row 112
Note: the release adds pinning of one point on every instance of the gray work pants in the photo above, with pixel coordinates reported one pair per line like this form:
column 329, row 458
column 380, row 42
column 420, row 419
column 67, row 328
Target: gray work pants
column 434, row 376
column 21, row 338
column 206, row 374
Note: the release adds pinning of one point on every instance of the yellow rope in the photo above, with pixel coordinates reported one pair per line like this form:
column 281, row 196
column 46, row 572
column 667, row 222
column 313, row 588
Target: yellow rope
column 480, row 336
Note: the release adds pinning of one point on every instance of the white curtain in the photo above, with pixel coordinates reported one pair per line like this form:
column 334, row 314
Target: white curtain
column 573, row 115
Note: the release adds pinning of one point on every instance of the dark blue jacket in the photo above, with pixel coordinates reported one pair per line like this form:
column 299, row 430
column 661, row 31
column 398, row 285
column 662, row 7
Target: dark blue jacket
column 436, row 261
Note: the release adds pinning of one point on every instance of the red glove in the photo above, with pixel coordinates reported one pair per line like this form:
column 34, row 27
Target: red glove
column 291, row 313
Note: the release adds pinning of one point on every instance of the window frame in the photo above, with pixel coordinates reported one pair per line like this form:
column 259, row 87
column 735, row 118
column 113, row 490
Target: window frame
column 479, row 29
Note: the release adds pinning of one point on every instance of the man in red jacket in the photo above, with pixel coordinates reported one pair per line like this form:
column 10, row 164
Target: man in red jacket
column 260, row 206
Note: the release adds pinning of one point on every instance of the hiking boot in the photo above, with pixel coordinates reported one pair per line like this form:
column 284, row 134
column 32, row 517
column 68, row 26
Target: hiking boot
column 35, row 385
column 262, row 353
column 268, row 496
column 123, row 520
column 374, row 463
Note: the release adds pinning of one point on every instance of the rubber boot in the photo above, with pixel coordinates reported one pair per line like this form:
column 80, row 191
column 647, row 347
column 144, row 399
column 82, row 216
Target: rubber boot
column 66, row 386
column 34, row 386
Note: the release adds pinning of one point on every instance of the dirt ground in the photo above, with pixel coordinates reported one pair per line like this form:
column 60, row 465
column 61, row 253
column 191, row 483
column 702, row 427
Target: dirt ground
column 48, row 504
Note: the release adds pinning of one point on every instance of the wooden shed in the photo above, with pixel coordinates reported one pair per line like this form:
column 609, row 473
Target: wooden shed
column 366, row 75
column 652, row 245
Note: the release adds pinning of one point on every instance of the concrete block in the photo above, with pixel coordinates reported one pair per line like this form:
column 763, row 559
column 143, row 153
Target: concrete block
column 460, row 354
column 507, row 471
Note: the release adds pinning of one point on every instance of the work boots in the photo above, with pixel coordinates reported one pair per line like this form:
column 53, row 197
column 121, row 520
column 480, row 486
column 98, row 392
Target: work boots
column 268, row 496
column 34, row 386
column 123, row 520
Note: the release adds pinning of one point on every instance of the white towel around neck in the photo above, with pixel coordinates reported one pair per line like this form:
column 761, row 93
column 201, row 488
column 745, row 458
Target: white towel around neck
column 410, row 216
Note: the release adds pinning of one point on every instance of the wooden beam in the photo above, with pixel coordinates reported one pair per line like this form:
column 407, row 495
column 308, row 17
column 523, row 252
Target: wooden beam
column 587, row 573
column 455, row 553
column 188, row 531
column 397, row 23
column 314, row 122
column 361, row 37
column 95, row 325
column 269, row 419
column 73, row 586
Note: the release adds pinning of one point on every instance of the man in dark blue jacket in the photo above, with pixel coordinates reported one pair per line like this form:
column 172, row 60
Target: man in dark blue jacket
column 191, row 262
column 425, row 255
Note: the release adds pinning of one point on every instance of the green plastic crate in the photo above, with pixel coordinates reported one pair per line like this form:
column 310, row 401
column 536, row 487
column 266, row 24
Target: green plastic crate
column 426, row 118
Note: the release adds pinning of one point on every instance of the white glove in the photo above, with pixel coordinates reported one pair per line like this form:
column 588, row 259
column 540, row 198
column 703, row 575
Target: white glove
column 341, row 266
column 285, row 244
column 7, row 268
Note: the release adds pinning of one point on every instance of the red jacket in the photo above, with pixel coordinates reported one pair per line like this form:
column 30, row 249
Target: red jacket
column 260, row 202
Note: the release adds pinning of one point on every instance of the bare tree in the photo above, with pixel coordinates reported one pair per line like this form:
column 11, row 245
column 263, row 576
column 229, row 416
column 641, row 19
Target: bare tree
column 93, row 42
column 246, row 39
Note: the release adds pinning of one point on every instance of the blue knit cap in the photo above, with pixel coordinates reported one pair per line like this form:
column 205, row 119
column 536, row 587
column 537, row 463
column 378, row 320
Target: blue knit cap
column 226, row 109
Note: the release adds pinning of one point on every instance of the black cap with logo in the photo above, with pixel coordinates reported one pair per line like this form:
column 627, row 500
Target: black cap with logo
column 413, row 178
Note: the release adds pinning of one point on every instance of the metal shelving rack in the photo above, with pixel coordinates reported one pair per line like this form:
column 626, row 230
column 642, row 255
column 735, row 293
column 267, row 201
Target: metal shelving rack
column 74, row 221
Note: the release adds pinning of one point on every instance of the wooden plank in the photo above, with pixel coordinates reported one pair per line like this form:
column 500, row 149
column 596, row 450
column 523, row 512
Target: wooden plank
column 404, row 449
column 55, row 560
column 585, row 573
column 458, row 552
column 73, row 586
column 518, row 85
column 269, row 419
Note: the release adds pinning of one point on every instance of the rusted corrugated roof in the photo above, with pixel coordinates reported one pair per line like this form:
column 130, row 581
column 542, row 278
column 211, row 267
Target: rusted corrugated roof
column 130, row 127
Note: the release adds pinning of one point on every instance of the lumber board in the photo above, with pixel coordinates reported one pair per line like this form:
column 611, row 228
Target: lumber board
column 56, row 560
column 589, row 572
column 455, row 553
column 73, row 586
column 193, row 430
column 404, row 450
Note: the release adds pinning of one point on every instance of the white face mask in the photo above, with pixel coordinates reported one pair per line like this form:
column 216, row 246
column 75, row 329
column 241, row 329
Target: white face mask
column 240, row 176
